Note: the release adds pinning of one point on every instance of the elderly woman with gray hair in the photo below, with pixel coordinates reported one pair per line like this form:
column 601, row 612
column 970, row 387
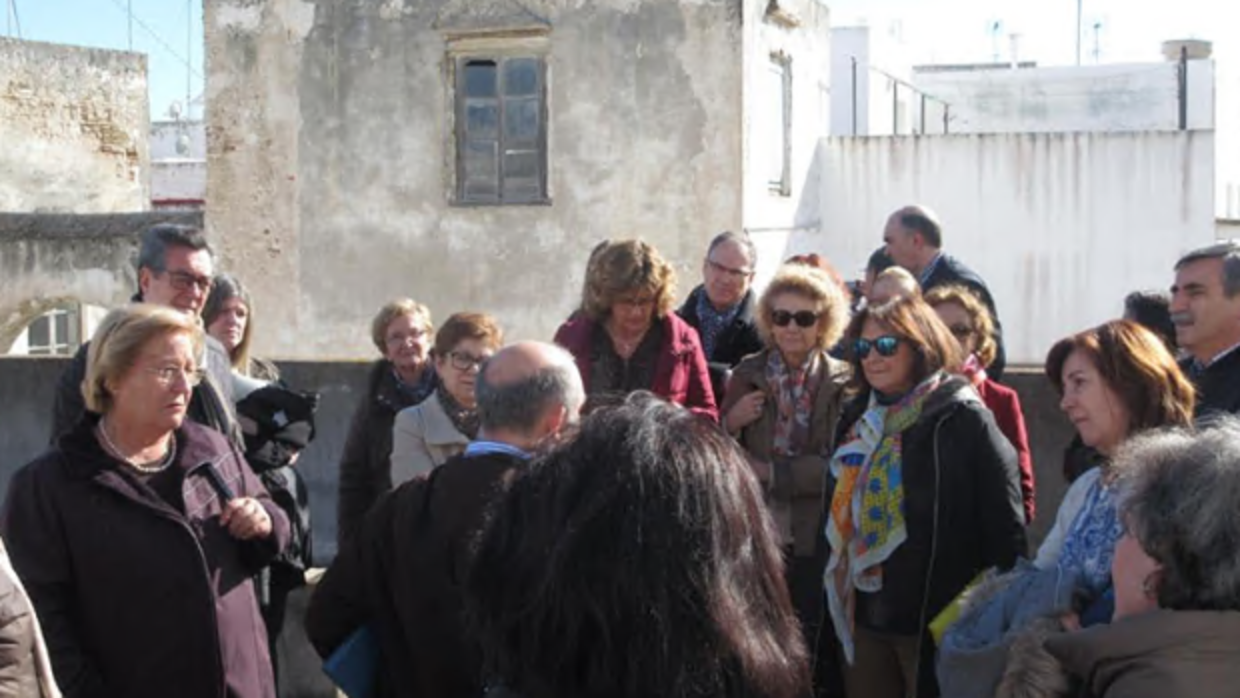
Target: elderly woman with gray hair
column 1176, row 629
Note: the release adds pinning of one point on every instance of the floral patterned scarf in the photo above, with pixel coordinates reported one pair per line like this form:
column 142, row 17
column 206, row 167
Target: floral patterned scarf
column 794, row 400
column 866, row 521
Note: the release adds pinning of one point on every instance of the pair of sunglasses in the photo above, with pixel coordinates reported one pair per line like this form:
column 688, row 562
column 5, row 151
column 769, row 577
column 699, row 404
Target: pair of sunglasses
column 803, row 318
column 887, row 345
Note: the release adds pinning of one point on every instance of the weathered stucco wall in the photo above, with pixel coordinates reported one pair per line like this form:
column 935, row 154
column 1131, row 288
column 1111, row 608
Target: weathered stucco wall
column 799, row 32
column 47, row 261
column 73, row 124
column 330, row 168
column 1061, row 226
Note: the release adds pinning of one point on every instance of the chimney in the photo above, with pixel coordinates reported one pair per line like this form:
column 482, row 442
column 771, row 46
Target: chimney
column 1198, row 50
column 1015, row 42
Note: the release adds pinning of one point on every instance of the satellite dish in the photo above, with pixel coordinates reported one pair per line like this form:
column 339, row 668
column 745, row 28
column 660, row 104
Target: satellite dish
column 183, row 144
column 174, row 110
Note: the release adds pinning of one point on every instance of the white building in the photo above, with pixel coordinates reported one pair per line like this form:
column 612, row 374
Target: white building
column 178, row 164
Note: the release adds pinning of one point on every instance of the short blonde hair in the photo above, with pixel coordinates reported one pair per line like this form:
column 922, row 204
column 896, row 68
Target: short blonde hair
column 905, row 283
column 979, row 317
column 816, row 285
column 120, row 339
column 623, row 267
column 388, row 313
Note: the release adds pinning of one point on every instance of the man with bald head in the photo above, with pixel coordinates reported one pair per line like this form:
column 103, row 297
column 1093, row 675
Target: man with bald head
column 400, row 577
column 914, row 240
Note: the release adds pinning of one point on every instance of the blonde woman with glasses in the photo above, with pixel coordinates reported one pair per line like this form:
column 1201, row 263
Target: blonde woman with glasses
column 138, row 534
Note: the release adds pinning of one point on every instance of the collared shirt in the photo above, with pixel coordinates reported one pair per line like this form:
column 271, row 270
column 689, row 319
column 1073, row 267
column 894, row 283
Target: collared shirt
column 482, row 448
column 1197, row 368
column 712, row 322
column 929, row 270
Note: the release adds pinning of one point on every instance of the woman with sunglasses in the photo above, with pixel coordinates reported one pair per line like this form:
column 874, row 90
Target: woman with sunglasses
column 782, row 404
column 970, row 323
column 442, row 425
column 926, row 496
column 626, row 336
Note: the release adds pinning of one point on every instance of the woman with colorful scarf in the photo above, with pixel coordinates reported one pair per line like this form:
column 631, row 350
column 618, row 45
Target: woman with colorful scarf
column 442, row 425
column 782, row 404
column 927, row 495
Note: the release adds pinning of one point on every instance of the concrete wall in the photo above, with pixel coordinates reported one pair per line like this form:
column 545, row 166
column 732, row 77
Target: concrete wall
column 882, row 60
column 48, row 261
column 1109, row 98
column 1061, row 226
column 73, row 124
column 330, row 170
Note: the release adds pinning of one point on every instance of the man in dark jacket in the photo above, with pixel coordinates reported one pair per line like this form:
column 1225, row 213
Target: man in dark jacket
column 721, row 309
column 175, row 267
column 402, row 573
column 914, row 240
column 1205, row 307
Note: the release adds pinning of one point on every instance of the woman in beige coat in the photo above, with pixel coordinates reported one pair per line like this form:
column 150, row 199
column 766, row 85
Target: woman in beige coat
column 783, row 404
column 442, row 425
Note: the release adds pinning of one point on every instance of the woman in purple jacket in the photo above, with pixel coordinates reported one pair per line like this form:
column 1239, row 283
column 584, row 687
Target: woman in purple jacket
column 138, row 534
column 626, row 336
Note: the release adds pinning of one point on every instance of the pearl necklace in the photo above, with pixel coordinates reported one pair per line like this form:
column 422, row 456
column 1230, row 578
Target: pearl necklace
column 160, row 465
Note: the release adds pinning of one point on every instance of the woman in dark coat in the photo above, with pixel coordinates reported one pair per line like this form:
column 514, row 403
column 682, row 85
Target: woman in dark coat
column 937, row 489
column 402, row 332
column 138, row 566
column 626, row 337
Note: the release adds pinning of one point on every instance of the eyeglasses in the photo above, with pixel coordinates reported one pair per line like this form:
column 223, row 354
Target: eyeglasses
column 401, row 337
column 961, row 331
column 886, row 345
column 462, row 361
column 803, row 318
column 737, row 274
column 184, row 281
column 166, row 375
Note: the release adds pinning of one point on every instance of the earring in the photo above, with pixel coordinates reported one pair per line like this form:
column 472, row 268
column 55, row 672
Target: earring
column 1148, row 587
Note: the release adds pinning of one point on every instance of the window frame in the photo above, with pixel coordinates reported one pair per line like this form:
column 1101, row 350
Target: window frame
column 781, row 63
column 499, row 53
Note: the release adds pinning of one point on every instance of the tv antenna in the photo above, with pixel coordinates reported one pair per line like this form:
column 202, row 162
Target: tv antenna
column 13, row 18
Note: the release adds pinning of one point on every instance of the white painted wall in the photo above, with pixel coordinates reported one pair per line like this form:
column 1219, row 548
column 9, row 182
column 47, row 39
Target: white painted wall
column 766, row 213
column 178, row 180
column 1119, row 97
column 1061, row 226
column 882, row 63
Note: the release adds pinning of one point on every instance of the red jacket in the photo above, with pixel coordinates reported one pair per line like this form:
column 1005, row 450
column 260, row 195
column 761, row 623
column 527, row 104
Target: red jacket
column 1005, row 404
column 680, row 375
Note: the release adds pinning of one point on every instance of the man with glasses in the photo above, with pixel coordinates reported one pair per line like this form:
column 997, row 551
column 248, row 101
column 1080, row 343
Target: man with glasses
column 175, row 267
column 721, row 309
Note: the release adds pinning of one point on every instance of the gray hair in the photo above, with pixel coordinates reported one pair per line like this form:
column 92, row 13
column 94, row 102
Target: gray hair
column 155, row 241
column 1229, row 252
column 1179, row 489
column 518, row 406
column 742, row 239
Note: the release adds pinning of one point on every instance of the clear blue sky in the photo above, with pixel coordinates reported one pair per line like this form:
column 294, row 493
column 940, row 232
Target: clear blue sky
column 934, row 30
column 105, row 24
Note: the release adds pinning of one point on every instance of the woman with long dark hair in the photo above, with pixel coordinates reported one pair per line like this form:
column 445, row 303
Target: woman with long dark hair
column 636, row 561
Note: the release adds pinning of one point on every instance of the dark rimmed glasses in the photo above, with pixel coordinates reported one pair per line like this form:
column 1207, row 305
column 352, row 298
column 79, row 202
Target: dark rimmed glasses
column 464, row 361
column 803, row 318
column 887, row 345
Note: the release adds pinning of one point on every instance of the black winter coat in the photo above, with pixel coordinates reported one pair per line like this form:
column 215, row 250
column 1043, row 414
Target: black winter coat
column 136, row 598
column 964, row 513
column 735, row 342
column 366, row 463
column 1218, row 387
column 953, row 271
column 403, row 575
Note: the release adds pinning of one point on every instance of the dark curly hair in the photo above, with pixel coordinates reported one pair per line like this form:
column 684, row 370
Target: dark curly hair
column 636, row 560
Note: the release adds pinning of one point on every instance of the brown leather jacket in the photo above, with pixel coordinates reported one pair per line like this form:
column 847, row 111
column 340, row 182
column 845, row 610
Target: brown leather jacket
column 796, row 489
